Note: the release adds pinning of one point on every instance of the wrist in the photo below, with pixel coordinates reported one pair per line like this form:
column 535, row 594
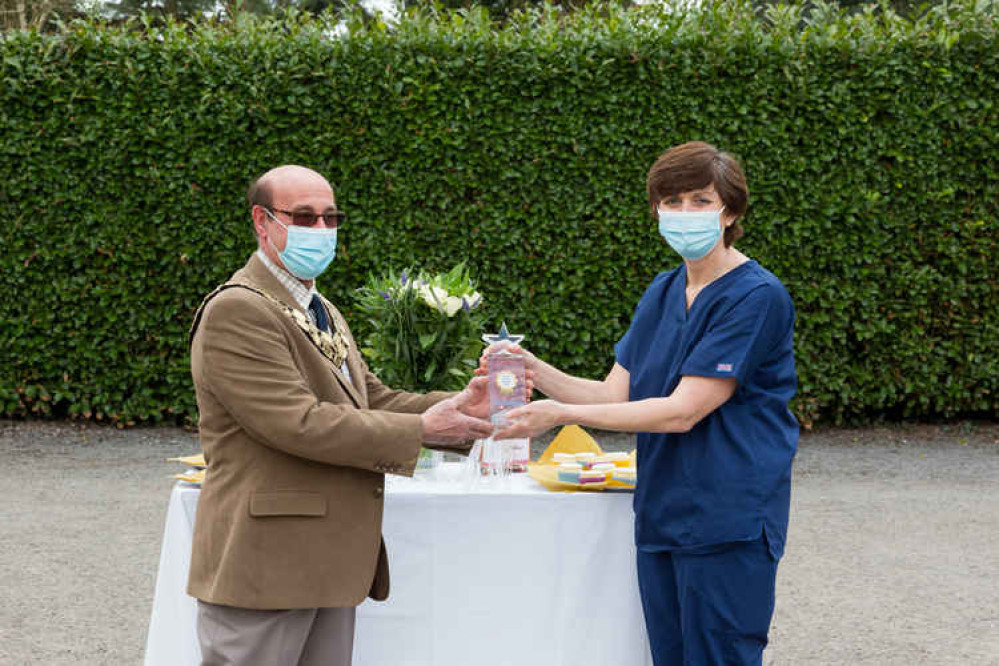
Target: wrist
column 566, row 414
column 423, row 427
column 544, row 375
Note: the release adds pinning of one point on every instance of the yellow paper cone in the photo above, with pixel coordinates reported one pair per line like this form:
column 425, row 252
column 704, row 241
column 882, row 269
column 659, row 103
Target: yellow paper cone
column 196, row 460
column 570, row 439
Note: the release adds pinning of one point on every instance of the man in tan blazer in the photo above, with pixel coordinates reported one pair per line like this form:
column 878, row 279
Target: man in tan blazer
column 298, row 435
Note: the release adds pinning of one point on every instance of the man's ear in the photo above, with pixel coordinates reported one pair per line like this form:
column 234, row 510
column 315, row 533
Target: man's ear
column 259, row 218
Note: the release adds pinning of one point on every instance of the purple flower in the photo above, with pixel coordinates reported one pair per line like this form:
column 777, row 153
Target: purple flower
column 403, row 278
column 385, row 295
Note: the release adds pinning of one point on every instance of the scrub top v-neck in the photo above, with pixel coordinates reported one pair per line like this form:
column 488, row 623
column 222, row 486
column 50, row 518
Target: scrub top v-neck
column 728, row 479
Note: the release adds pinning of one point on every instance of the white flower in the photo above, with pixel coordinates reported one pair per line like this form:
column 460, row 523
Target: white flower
column 435, row 297
column 439, row 299
column 451, row 305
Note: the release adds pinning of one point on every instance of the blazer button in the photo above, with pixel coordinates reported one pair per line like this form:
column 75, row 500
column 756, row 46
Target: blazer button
column 379, row 491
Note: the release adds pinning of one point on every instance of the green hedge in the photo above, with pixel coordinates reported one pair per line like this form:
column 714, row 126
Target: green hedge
column 870, row 144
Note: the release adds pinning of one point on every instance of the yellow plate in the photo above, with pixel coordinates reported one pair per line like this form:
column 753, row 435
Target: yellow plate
column 547, row 475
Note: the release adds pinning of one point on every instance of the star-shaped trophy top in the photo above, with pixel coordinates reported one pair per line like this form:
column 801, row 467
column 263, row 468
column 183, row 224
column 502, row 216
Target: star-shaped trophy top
column 504, row 334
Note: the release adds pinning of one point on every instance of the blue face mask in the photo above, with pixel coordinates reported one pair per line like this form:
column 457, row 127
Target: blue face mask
column 308, row 251
column 691, row 234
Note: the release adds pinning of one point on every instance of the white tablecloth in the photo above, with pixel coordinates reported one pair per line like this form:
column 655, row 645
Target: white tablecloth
column 493, row 574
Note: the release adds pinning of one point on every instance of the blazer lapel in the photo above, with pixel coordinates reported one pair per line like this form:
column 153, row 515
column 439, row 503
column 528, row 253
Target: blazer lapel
column 354, row 362
column 257, row 274
column 354, row 374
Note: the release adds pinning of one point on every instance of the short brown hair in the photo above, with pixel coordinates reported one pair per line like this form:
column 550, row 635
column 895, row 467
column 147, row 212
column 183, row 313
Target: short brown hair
column 259, row 193
column 693, row 166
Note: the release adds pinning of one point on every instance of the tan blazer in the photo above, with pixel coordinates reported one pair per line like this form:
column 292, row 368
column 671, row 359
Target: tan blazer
column 291, row 508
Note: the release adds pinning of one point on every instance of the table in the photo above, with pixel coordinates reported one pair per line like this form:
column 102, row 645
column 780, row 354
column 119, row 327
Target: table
column 486, row 573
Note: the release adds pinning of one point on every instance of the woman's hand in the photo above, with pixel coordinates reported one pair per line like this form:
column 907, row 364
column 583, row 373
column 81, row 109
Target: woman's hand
column 529, row 358
column 532, row 420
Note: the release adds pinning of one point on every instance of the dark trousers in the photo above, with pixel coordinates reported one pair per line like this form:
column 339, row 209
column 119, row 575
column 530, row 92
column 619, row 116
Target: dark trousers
column 708, row 609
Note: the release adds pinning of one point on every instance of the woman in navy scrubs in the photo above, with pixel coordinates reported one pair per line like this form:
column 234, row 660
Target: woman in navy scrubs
column 704, row 376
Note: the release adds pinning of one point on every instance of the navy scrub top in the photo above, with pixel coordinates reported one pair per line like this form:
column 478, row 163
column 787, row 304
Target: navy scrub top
column 729, row 478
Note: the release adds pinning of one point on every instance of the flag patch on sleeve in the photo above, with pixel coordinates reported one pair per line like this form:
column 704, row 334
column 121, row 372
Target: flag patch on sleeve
column 724, row 367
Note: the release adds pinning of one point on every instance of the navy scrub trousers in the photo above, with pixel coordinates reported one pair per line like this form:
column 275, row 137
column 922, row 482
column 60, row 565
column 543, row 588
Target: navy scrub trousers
column 708, row 609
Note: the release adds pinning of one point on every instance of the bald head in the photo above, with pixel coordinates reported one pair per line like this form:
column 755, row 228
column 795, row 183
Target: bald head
column 270, row 186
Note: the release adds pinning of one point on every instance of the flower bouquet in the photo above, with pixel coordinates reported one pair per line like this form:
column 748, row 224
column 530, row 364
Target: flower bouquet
column 425, row 330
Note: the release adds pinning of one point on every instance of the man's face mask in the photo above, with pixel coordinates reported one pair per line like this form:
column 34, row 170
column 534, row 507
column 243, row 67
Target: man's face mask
column 308, row 251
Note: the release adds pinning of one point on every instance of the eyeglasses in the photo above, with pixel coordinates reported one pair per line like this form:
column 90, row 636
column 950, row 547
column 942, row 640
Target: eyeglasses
column 306, row 218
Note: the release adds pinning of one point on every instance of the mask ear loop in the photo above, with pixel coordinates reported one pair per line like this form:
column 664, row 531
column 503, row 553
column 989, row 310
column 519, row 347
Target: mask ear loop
column 284, row 226
column 724, row 226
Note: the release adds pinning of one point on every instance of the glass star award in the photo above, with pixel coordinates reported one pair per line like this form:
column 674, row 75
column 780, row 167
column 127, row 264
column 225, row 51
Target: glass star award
column 507, row 390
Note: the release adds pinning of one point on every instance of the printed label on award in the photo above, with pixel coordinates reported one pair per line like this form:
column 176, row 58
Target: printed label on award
column 506, row 381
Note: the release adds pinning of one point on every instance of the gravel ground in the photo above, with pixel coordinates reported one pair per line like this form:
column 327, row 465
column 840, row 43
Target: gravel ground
column 892, row 555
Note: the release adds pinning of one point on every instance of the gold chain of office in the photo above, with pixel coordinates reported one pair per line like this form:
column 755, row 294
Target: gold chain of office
column 331, row 345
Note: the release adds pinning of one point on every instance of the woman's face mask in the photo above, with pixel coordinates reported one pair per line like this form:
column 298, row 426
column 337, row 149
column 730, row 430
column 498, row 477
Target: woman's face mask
column 692, row 234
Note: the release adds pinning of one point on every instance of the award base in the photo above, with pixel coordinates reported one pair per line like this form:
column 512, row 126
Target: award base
column 504, row 456
column 493, row 461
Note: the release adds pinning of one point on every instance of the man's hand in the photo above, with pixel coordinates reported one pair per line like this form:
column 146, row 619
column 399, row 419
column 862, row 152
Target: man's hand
column 533, row 419
column 474, row 400
column 445, row 422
